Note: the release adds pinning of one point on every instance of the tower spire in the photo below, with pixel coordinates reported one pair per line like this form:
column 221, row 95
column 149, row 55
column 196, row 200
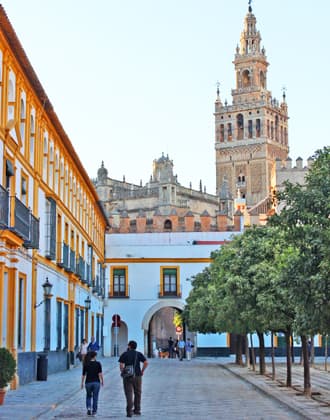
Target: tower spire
column 250, row 7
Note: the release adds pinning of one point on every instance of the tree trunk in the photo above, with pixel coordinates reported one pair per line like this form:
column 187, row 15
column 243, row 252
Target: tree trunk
column 326, row 353
column 288, row 359
column 307, row 375
column 247, row 358
column 292, row 349
column 252, row 354
column 239, row 358
column 262, row 364
column 273, row 357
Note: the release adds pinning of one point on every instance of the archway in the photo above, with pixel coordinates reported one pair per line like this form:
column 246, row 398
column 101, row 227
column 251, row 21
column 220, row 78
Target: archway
column 158, row 325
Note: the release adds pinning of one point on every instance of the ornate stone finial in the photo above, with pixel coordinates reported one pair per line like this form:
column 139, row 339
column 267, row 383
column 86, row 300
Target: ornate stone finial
column 218, row 89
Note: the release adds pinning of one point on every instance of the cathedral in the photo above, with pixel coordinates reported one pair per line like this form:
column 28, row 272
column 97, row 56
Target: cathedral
column 251, row 154
column 77, row 254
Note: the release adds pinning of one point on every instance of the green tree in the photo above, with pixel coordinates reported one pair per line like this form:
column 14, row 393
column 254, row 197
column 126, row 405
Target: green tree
column 305, row 223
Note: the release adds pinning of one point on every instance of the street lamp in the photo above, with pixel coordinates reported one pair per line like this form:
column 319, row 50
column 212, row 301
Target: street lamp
column 47, row 286
column 87, row 303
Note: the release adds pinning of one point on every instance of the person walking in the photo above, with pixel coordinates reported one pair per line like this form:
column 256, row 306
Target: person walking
column 181, row 346
column 189, row 347
column 83, row 349
column 93, row 345
column 92, row 377
column 170, row 348
column 132, row 384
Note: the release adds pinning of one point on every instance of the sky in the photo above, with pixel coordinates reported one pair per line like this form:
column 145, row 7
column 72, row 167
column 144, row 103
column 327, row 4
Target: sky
column 132, row 79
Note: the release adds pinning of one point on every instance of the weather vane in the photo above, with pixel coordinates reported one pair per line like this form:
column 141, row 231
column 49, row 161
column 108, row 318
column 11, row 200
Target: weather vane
column 250, row 8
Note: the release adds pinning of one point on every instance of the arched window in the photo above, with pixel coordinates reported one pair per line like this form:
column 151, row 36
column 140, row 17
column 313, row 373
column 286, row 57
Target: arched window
column 262, row 79
column 246, row 78
column 229, row 132
column 22, row 122
column 168, row 225
column 250, row 129
column 32, row 136
column 222, row 132
column 258, row 127
column 45, row 159
column 240, row 126
column 276, row 127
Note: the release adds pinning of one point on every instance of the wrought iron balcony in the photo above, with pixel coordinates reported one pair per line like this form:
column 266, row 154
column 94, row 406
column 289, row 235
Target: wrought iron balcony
column 33, row 242
column 26, row 226
column 166, row 293
column 4, row 207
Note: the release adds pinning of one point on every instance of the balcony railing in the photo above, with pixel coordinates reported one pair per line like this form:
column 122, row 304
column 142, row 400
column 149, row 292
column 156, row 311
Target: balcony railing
column 4, row 207
column 26, row 226
column 81, row 268
column 163, row 293
column 119, row 294
column 22, row 220
column 33, row 242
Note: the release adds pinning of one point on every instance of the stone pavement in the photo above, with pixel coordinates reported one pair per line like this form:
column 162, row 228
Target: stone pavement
column 204, row 388
column 317, row 407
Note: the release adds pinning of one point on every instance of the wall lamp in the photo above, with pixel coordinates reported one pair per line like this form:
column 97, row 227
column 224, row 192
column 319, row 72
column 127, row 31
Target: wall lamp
column 87, row 303
column 47, row 292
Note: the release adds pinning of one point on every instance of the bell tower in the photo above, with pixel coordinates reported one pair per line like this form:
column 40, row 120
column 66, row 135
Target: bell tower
column 252, row 132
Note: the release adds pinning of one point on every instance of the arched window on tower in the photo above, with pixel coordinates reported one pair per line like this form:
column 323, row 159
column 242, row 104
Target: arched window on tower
column 258, row 127
column 167, row 225
column 250, row 129
column 246, row 78
column 276, row 127
column 222, row 133
column 229, row 132
column 268, row 129
column 262, row 79
column 240, row 126
column 272, row 129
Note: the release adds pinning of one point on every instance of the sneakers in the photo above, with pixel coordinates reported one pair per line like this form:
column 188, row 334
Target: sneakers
column 93, row 413
column 89, row 412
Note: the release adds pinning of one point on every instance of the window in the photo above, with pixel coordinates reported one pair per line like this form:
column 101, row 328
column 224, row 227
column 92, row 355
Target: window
column 50, row 228
column 77, row 341
column 21, row 311
column 240, row 126
column 66, row 325
column 168, row 225
column 119, row 278
column 169, row 282
column 59, row 325
column 250, row 130
column 258, row 127
column 222, row 132
column 24, row 191
column 229, row 132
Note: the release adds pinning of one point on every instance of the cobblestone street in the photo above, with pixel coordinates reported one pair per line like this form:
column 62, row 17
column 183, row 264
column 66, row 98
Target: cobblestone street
column 172, row 389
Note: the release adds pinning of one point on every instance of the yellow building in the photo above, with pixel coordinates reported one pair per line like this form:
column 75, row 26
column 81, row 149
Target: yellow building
column 52, row 225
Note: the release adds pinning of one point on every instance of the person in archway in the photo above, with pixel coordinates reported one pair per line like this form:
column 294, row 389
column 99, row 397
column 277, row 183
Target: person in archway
column 181, row 347
column 133, row 384
column 189, row 347
column 170, row 347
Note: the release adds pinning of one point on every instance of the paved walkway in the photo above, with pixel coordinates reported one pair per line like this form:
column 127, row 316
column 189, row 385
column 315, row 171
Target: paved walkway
column 200, row 389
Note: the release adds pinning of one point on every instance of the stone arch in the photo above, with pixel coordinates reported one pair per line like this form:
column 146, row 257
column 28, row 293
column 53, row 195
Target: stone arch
column 159, row 305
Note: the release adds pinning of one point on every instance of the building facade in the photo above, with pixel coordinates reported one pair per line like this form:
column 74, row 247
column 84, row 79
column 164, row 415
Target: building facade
column 52, row 226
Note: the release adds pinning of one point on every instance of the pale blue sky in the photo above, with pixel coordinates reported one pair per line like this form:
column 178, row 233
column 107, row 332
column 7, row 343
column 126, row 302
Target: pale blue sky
column 130, row 79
